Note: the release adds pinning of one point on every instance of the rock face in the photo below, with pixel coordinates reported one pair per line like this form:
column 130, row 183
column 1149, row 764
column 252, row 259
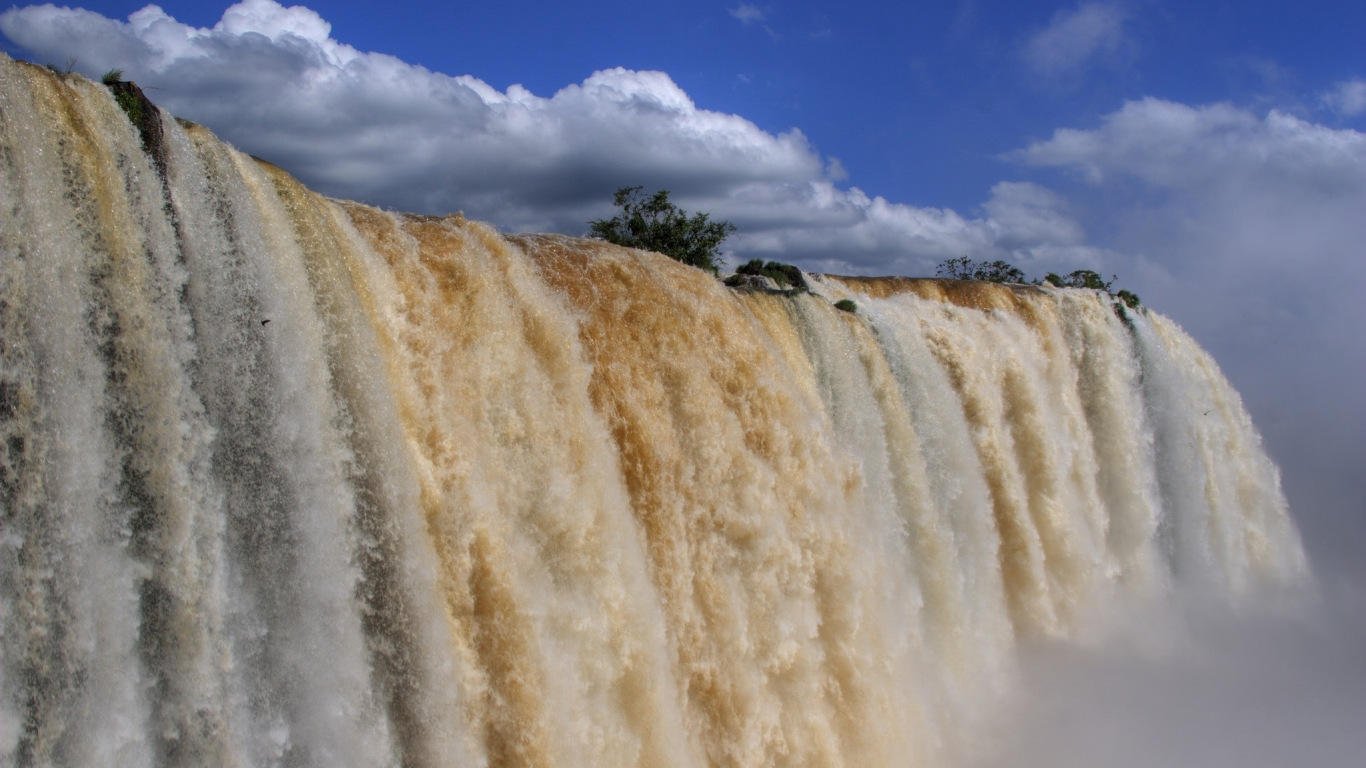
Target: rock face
column 753, row 284
column 144, row 116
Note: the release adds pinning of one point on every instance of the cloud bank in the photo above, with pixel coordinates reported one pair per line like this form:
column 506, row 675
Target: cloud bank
column 748, row 14
column 368, row 126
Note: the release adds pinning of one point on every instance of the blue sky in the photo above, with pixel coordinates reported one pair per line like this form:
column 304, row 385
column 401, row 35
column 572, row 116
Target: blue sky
column 1210, row 153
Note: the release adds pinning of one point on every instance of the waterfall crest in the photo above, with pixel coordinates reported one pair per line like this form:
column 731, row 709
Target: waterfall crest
column 293, row 481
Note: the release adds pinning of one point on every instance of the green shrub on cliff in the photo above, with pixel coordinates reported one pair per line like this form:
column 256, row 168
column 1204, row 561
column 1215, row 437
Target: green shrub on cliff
column 654, row 224
column 1085, row 278
column 1081, row 278
column 963, row 268
column 785, row 275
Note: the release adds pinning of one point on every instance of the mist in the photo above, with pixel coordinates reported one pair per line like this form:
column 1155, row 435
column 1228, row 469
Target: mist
column 1201, row 685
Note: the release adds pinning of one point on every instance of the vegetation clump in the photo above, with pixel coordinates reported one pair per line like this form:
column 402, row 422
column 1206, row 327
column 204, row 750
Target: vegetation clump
column 142, row 113
column 963, row 268
column 786, row 276
column 63, row 73
column 846, row 305
column 1085, row 278
column 654, row 224
column 131, row 105
column 1082, row 278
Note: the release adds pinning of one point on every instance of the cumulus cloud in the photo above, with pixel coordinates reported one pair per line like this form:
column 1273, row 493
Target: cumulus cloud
column 748, row 14
column 1347, row 98
column 1251, row 228
column 1074, row 38
column 369, row 126
column 1179, row 146
column 754, row 15
column 1027, row 214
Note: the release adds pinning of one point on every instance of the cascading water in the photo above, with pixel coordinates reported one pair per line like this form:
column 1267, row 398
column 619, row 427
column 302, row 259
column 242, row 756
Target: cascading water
column 292, row 481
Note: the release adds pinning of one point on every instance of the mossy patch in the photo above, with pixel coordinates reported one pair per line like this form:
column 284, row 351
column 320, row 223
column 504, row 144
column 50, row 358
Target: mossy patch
column 142, row 113
column 786, row 276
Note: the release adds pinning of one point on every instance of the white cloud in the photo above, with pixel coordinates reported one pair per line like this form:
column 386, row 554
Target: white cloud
column 1180, row 146
column 369, row 126
column 1029, row 214
column 1347, row 98
column 1073, row 38
column 752, row 14
column 748, row 14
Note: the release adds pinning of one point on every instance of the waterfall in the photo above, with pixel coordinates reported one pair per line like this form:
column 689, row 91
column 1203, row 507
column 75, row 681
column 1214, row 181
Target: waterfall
column 293, row 481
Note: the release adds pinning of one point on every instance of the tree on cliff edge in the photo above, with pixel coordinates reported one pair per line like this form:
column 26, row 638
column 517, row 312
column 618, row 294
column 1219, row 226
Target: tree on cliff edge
column 654, row 224
column 963, row 268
